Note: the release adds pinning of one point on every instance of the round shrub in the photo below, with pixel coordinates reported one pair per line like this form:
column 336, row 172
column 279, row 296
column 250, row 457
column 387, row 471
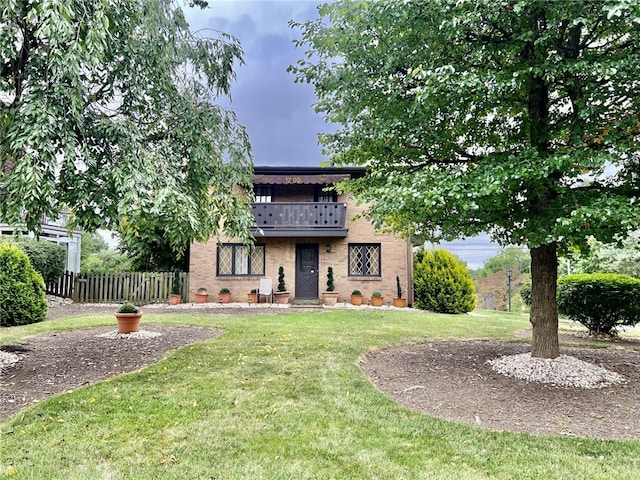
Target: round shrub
column 22, row 297
column 602, row 302
column 525, row 294
column 443, row 284
column 47, row 258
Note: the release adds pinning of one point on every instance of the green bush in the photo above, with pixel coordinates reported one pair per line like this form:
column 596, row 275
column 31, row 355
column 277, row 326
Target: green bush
column 22, row 297
column 525, row 294
column 47, row 258
column 602, row 302
column 443, row 284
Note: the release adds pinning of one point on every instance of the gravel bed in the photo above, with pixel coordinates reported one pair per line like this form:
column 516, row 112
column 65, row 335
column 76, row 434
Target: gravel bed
column 7, row 359
column 115, row 335
column 563, row 371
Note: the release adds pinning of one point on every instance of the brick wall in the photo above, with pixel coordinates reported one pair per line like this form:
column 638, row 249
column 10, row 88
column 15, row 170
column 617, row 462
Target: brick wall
column 396, row 259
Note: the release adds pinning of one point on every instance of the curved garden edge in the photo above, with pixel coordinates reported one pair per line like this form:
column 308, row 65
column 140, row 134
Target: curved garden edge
column 452, row 380
column 60, row 361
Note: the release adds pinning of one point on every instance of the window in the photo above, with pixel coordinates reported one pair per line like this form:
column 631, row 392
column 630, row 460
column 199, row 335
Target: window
column 364, row 259
column 263, row 193
column 237, row 259
column 325, row 196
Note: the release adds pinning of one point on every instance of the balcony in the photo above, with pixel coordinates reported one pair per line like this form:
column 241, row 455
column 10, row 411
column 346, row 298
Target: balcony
column 300, row 219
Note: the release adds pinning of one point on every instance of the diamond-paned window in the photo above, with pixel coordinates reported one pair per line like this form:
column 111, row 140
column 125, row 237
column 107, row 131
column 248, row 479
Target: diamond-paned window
column 237, row 259
column 364, row 259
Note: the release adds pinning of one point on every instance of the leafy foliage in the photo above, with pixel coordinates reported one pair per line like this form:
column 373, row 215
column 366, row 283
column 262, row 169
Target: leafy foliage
column 22, row 296
column 620, row 257
column 107, row 261
column 519, row 119
column 47, row 258
column 398, row 287
column 525, row 294
column 601, row 302
column 151, row 252
column 510, row 257
column 105, row 107
column 443, row 284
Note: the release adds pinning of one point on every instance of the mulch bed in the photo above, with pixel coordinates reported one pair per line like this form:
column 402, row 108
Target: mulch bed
column 452, row 380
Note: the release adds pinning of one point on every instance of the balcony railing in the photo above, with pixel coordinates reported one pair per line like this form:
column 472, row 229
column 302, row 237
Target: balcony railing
column 281, row 219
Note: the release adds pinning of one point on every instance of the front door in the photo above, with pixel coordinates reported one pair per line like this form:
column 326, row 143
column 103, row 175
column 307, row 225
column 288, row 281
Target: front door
column 306, row 271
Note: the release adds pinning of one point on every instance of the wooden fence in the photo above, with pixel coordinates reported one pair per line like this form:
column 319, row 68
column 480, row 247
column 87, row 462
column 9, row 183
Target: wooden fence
column 63, row 287
column 136, row 287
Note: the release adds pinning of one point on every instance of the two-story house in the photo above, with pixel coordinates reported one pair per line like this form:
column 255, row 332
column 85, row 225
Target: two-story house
column 305, row 228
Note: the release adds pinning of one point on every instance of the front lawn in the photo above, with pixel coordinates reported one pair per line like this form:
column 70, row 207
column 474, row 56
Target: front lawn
column 281, row 397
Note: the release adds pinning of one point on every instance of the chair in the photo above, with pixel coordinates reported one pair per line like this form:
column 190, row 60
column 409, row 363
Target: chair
column 266, row 289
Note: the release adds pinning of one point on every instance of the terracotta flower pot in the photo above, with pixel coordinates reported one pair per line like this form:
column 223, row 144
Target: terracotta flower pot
column 175, row 299
column 201, row 297
column 225, row 297
column 377, row 301
column 330, row 298
column 128, row 322
column 399, row 302
column 281, row 297
column 252, row 297
column 356, row 300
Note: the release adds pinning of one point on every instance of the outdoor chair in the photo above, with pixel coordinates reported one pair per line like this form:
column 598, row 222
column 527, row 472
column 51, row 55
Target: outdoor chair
column 266, row 289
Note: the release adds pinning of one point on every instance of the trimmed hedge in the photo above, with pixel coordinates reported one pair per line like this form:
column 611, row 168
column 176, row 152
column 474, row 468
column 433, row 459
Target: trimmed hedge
column 443, row 284
column 22, row 296
column 602, row 302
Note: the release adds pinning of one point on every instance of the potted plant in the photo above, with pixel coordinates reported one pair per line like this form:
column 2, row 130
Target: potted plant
column 356, row 298
column 330, row 296
column 202, row 295
column 128, row 318
column 377, row 299
column 281, row 296
column 399, row 301
column 176, row 289
column 225, row 295
column 253, row 296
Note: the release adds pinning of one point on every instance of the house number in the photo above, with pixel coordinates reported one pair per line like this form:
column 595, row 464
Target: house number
column 293, row 180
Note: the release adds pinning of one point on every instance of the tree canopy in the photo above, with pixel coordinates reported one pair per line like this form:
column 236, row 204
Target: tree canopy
column 518, row 118
column 106, row 110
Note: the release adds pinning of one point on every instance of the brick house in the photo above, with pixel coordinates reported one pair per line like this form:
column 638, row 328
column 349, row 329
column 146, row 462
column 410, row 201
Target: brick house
column 305, row 229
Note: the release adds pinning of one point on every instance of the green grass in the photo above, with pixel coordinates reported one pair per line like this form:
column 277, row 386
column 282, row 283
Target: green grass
column 281, row 397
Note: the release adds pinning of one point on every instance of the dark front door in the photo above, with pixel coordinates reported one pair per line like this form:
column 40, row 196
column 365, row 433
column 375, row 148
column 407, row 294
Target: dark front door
column 306, row 271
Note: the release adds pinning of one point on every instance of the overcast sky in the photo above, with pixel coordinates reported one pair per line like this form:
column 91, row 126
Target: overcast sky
column 278, row 113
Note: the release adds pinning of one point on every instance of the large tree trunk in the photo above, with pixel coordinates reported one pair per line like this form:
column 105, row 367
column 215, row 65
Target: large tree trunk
column 544, row 311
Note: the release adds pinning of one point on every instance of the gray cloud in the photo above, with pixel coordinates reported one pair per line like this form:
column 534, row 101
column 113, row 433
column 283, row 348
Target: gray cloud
column 277, row 113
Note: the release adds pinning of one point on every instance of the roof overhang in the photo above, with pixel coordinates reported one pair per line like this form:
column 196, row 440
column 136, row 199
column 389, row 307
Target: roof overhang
column 293, row 233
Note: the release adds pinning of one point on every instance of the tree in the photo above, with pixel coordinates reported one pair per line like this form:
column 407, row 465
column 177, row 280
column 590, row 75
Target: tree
column 105, row 109
column 517, row 118
column 621, row 257
column 91, row 244
column 506, row 258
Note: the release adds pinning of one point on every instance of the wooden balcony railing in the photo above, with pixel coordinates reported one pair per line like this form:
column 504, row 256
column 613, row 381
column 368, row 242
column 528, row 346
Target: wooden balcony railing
column 280, row 219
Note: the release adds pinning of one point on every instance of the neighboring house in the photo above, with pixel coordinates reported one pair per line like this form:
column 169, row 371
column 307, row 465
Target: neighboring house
column 305, row 229
column 55, row 230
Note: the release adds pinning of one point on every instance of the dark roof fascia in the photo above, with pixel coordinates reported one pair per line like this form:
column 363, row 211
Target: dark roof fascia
column 354, row 172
